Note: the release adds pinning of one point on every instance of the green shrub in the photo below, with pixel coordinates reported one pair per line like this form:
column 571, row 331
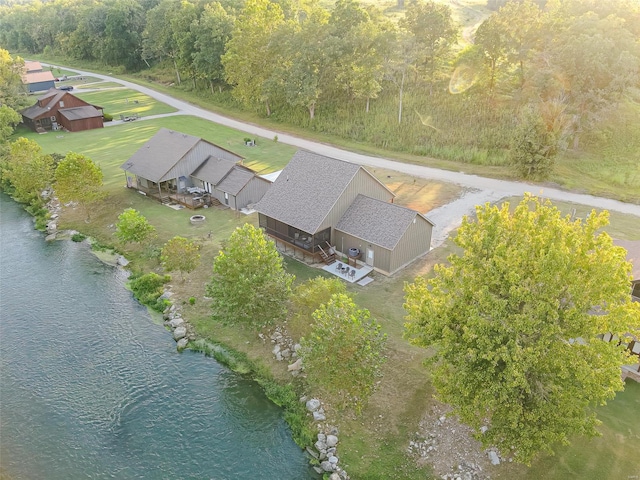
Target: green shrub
column 107, row 117
column 148, row 288
column 192, row 300
column 78, row 237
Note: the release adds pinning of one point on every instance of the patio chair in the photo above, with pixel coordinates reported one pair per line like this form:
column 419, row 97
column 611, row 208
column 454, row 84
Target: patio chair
column 352, row 274
column 339, row 267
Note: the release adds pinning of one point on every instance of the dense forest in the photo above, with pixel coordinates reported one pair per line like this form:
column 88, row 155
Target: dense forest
column 532, row 79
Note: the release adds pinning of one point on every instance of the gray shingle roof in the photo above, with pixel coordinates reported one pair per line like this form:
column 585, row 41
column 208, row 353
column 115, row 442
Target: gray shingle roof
column 213, row 170
column 306, row 190
column 377, row 222
column 160, row 154
column 78, row 113
column 52, row 95
column 236, row 180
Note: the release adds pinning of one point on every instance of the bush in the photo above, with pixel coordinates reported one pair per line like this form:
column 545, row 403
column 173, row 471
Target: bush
column 148, row 289
column 192, row 300
column 78, row 237
column 107, row 117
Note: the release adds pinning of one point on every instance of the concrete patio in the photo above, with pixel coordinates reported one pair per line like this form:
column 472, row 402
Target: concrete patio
column 361, row 271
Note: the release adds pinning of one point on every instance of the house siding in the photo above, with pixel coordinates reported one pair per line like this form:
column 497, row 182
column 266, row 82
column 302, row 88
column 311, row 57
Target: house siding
column 80, row 125
column 362, row 183
column 40, row 86
column 190, row 162
column 252, row 192
column 381, row 256
column 68, row 100
column 415, row 242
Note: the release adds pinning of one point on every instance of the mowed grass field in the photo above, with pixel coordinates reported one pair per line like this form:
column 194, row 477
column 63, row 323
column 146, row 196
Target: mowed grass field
column 373, row 446
column 124, row 101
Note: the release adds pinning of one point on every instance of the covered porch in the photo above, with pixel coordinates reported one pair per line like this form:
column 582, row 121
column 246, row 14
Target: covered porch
column 167, row 192
column 317, row 245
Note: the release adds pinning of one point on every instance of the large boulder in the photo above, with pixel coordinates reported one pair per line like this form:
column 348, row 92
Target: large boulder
column 179, row 333
column 176, row 322
column 332, row 440
column 313, row 404
column 182, row 343
column 326, row 466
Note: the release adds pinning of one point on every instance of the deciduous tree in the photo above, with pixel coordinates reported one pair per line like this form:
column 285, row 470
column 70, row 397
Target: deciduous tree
column 343, row 354
column 78, row 179
column 534, row 146
column 27, row 170
column 435, row 35
column 180, row 254
column 9, row 118
column 133, row 227
column 212, row 33
column 12, row 92
column 514, row 324
column 251, row 57
column 249, row 284
column 306, row 299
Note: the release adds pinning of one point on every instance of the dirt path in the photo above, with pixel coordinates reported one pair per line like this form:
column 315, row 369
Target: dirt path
column 446, row 218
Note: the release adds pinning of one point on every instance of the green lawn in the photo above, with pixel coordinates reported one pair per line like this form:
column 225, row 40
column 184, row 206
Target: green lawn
column 124, row 101
column 613, row 456
column 111, row 146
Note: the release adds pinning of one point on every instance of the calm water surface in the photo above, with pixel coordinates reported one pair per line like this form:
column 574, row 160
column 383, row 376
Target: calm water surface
column 90, row 387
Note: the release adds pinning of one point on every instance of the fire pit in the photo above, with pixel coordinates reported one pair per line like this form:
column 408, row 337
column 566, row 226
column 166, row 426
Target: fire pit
column 197, row 219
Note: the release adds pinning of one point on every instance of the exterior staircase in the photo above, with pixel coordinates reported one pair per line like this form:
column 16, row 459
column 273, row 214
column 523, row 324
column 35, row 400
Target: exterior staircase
column 328, row 256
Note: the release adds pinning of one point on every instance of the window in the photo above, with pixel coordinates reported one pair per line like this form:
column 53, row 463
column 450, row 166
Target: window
column 61, row 104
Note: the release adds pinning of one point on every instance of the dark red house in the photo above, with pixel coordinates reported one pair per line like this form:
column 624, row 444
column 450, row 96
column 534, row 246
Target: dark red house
column 58, row 110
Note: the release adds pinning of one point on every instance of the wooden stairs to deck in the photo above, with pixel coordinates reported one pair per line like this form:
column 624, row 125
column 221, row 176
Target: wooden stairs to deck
column 329, row 256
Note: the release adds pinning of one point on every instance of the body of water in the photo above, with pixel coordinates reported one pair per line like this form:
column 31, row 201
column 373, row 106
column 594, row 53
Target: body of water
column 90, row 387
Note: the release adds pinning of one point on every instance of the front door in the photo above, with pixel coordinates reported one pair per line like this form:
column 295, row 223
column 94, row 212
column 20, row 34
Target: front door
column 369, row 260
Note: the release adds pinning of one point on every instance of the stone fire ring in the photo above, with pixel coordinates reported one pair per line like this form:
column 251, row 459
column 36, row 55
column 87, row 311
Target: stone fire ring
column 197, row 219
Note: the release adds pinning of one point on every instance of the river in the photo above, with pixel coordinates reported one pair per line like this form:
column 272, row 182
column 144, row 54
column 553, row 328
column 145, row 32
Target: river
column 91, row 387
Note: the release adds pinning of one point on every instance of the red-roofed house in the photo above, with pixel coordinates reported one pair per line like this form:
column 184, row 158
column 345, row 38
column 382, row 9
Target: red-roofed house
column 35, row 79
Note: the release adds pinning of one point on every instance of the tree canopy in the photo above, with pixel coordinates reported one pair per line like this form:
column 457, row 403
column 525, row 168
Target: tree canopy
column 133, row 227
column 514, row 322
column 78, row 179
column 249, row 284
column 180, row 254
column 343, row 353
column 27, row 171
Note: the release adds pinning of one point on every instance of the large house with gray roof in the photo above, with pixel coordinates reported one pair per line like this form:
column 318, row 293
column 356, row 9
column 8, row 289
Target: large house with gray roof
column 318, row 204
column 176, row 167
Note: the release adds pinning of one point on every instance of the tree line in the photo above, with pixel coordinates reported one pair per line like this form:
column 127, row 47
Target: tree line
column 557, row 67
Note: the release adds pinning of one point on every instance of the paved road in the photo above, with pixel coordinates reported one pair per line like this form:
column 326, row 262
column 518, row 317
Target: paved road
column 447, row 217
